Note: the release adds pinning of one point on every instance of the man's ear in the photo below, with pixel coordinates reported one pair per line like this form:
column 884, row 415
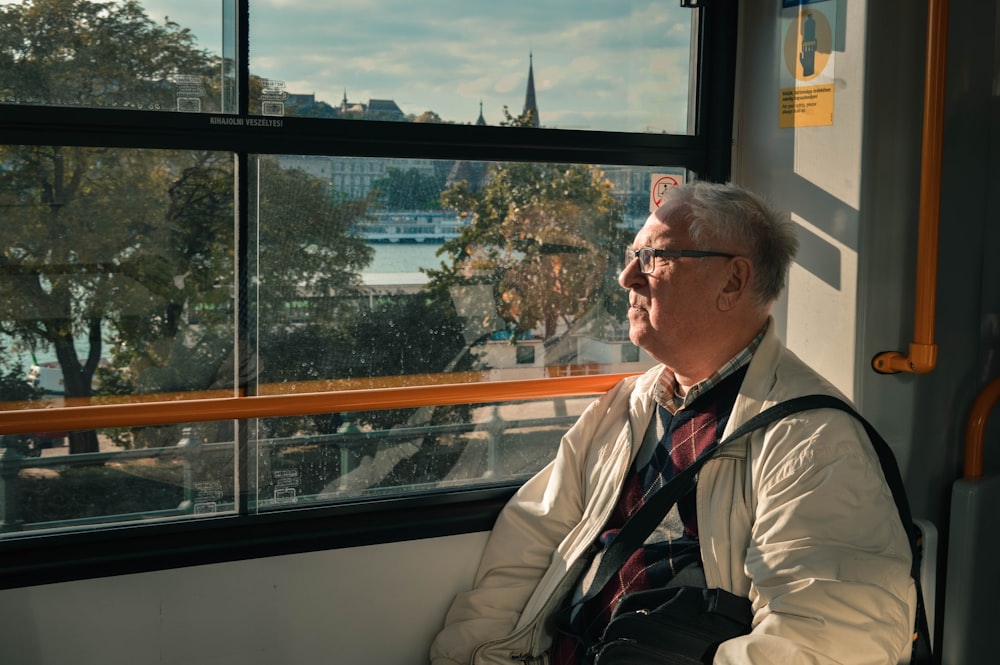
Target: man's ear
column 737, row 286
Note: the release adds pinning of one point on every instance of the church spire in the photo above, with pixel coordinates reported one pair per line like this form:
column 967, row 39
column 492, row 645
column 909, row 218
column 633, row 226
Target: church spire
column 529, row 96
column 480, row 121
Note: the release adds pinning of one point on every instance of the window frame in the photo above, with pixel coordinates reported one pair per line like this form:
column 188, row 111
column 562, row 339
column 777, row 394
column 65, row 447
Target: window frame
column 111, row 549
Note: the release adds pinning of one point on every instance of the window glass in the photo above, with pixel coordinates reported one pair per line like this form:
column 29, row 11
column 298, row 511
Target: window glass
column 152, row 473
column 372, row 272
column 126, row 277
column 117, row 284
column 374, row 267
column 162, row 55
column 610, row 66
column 364, row 273
column 399, row 452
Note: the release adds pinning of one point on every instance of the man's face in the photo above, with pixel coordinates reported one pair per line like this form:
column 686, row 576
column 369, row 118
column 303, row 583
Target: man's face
column 672, row 311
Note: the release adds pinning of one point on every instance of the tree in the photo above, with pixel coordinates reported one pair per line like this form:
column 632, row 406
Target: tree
column 309, row 257
column 79, row 247
column 526, row 119
column 313, row 108
column 82, row 53
column 398, row 335
column 547, row 237
column 15, row 389
column 310, row 249
column 139, row 245
column 409, row 189
column 429, row 117
column 78, row 218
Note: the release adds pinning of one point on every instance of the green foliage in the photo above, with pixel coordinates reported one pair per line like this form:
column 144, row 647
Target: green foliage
column 123, row 242
column 78, row 243
column 424, row 335
column 526, row 119
column 14, row 385
column 409, row 190
column 102, row 54
column 308, row 249
column 85, row 242
column 401, row 335
column 139, row 245
column 429, row 117
column 314, row 109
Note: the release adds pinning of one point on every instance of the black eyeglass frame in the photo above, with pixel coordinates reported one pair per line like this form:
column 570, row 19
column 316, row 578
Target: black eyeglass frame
column 633, row 254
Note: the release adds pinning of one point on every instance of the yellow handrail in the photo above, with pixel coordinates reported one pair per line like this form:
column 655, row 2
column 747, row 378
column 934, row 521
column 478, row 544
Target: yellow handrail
column 922, row 356
column 205, row 406
column 975, row 429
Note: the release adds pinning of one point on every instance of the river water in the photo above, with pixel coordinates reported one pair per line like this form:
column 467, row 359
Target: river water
column 402, row 257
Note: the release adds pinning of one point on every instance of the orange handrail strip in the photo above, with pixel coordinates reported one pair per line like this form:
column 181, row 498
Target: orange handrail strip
column 930, row 173
column 922, row 356
column 159, row 411
column 975, row 429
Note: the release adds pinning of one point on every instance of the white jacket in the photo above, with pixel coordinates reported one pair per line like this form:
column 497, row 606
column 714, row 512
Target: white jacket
column 808, row 530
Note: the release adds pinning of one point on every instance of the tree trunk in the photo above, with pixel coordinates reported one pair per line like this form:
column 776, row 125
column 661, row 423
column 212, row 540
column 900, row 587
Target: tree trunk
column 83, row 442
column 77, row 377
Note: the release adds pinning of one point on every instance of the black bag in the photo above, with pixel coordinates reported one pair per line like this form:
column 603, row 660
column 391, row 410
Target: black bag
column 685, row 625
column 673, row 626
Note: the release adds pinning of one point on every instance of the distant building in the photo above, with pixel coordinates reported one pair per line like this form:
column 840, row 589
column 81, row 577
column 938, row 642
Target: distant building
column 386, row 108
column 530, row 104
column 375, row 109
column 300, row 99
column 353, row 176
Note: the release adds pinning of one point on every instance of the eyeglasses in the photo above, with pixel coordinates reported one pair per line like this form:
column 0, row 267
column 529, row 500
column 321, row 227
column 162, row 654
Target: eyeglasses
column 646, row 254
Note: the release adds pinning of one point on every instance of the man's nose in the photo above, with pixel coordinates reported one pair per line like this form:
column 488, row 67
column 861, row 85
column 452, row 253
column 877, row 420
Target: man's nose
column 631, row 275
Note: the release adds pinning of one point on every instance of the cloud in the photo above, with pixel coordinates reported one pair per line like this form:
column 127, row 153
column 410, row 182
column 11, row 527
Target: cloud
column 602, row 65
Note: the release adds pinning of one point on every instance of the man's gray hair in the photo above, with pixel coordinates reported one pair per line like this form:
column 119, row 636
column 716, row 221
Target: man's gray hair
column 731, row 218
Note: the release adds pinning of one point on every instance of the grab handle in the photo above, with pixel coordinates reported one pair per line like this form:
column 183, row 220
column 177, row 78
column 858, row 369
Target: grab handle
column 922, row 356
column 975, row 429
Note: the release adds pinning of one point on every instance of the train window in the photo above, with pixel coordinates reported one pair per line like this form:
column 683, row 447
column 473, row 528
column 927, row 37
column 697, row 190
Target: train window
column 118, row 272
column 620, row 66
column 409, row 271
column 258, row 295
column 118, row 286
column 432, row 449
column 413, row 267
column 398, row 272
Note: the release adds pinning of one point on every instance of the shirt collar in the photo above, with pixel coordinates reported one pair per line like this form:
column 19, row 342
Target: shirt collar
column 665, row 392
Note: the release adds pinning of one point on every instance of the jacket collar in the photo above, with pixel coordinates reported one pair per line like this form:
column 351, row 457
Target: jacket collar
column 759, row 381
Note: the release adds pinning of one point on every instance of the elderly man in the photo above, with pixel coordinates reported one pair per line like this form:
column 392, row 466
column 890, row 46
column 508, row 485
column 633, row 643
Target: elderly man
column 796, row 517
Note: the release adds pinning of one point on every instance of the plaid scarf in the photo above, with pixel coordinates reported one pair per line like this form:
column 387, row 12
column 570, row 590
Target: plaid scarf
column 674, row 545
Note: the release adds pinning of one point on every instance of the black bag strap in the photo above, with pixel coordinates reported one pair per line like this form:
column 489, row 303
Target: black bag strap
column 638, row 527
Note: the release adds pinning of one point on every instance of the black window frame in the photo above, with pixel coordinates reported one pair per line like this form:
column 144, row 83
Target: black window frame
column 119, row 549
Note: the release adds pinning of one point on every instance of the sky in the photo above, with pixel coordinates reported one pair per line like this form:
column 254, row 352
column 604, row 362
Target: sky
column 616, row 65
